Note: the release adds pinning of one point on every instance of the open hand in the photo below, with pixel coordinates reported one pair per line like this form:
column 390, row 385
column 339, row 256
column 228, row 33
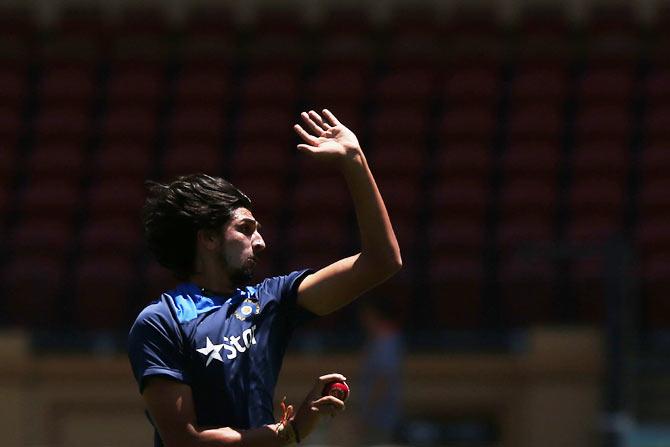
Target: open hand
column 328, row 139
column 314, row 406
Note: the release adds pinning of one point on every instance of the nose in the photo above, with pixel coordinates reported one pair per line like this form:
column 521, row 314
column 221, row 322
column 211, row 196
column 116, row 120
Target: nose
column 257, row 244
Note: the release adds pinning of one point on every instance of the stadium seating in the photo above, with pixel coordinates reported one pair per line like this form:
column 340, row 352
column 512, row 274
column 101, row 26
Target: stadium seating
column 491, row 147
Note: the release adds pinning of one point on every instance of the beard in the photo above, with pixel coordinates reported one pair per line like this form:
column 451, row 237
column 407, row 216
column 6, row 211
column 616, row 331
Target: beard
column 242, row 276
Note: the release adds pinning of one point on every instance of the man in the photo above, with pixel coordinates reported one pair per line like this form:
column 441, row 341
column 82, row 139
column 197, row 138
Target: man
column 207, row 354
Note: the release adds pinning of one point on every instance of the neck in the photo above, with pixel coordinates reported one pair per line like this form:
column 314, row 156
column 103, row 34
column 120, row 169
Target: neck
column 213, row 279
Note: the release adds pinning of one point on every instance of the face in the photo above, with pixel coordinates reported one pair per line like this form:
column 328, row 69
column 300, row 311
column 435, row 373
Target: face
column 241, row 245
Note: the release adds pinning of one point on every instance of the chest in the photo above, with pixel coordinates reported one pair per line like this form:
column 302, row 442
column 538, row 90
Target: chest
column 229, row 339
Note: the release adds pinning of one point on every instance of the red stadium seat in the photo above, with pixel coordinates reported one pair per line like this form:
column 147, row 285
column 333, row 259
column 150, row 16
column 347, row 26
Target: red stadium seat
column 589, row 289
column 597, row 198
column 67, row 85
column 414, row 20
column 535, row 198
column 451, row 198
column 268, row 198
column 469, row 161
column 330, row 198
column 401, row 123
column 8, row 164
column 603, row 122
column 278, row 52
column 456, row 286
column 415, row 87
column 130, row 125
column 413, row 51
column 402, row 198
column 103, row 287
column 657, row 87
column 345, row 20
column 653, row 237
column 266, row 124
column 348, row 51
column 401, row 161
column 123, row 161
column 136, row 84
column 157, row 280
column 654, row 198
column 540, row 84
column 120, row 236
column 33, row 285
column 10, row 126
column 658, row 122
column 456, row 235
column 527, row 291
column 260, row 161
column 270, row 86
column 322, row 88
column 58, row 161
column 208, row 52
column 536, row 121
column 656, row 284
column 525, row 233
column 41, row 237
column 468, row 123
column 601, row 159
column 197, row 125
column 65, row 123
column 13, row 87
column 58, row 200
column 655, row 163
column 532, row 161
column 473, row 85
column 307, row 248
column 111, row 199
column 592, row 230
column 191, row 158
column 607, row 85
column 203, row 86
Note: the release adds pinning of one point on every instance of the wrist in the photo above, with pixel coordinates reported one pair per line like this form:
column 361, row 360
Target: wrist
column 286, row 433
column 354, row 157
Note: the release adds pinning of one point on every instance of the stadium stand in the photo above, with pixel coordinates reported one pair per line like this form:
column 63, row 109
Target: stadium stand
column 486, row 148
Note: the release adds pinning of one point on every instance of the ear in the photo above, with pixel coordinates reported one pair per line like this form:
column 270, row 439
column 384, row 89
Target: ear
column 209, row 239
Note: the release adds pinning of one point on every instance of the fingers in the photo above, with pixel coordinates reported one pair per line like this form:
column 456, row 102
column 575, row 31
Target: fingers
column 328, row 114
column 307, row 138
column 318, row 120
column 314, row 122
column 330, row 405
column 307, row 148
column 327, row 378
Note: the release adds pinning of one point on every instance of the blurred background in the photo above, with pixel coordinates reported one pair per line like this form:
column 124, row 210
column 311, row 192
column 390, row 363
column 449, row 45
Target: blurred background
column 523, row 151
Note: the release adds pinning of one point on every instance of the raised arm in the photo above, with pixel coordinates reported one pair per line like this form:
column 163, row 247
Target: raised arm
column 341, row 282
column 172, row 411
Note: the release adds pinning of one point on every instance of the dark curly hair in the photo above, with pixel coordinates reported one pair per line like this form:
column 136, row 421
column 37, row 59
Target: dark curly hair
column 173, row 213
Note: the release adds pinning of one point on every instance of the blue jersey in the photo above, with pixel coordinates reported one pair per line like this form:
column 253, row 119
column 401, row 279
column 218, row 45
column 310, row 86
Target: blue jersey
column 228, row 349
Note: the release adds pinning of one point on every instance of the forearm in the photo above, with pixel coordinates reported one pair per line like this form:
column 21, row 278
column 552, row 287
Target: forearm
column 265, row 436
column 378, row 241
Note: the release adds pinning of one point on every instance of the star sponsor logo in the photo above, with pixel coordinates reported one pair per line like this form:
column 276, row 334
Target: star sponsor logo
column 233, row 346
column 211, row 351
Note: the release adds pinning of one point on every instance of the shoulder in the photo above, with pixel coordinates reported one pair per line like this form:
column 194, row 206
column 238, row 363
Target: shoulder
column 157, row 317
column 281, row 284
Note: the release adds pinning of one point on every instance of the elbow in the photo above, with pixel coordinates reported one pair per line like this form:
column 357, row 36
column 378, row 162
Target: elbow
column 390, row 265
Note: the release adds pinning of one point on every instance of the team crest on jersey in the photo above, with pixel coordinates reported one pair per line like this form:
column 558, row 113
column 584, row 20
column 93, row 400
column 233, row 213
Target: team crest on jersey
column 248, row 308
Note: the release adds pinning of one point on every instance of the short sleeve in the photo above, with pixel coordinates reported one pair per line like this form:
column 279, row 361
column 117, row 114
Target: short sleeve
column 155, row 346
column 285, row 289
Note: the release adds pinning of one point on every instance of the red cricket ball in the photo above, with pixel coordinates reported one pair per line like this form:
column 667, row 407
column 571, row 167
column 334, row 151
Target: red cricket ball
column 336, row 389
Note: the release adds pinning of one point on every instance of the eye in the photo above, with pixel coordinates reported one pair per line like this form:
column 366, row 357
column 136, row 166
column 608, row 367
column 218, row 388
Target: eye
column 247, row 229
